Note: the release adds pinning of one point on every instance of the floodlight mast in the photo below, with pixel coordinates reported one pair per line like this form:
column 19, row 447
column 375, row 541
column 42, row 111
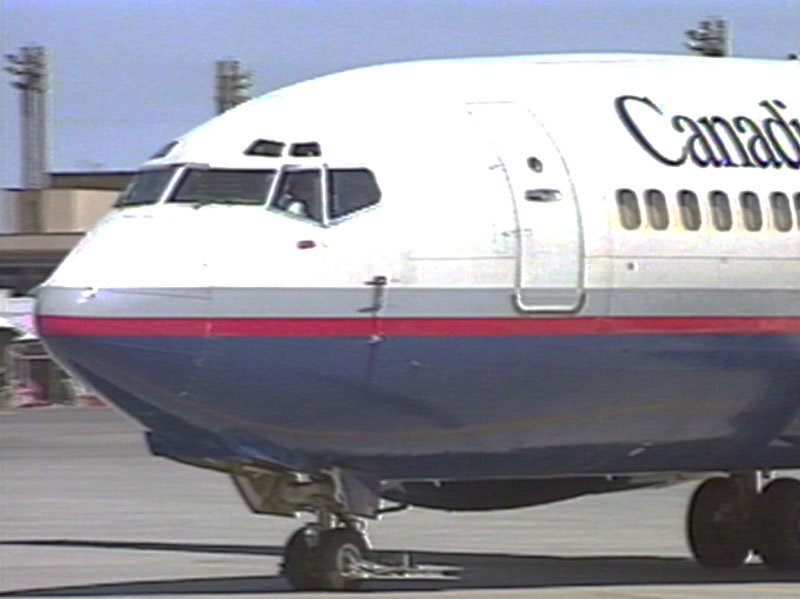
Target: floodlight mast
column 232, row 85
column 711, row 38
column 30, row 68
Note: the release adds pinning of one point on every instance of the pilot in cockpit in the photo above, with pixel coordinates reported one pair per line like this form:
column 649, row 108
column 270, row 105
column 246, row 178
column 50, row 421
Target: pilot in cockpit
column 291, row 202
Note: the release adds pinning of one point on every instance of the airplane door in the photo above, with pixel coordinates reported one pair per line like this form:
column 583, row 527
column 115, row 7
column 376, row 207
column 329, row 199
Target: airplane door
column 549, row 274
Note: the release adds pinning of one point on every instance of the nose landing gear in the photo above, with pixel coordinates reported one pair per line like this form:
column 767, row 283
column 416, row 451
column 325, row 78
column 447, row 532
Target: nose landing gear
column 334, row 555
column 729, row 518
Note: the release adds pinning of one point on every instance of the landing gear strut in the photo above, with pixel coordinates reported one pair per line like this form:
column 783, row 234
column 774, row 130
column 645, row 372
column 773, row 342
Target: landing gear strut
column 729, row 518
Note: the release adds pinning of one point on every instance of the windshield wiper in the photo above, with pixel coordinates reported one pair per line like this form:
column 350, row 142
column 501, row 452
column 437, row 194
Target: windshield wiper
column 224, row 201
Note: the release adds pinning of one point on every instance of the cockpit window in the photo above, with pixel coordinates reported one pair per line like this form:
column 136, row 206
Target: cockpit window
column 309, row 148
column 300, row 194
column 265, row 147
column 146, row 187
column 350, row 190
column 347, row 191
column 224, row 186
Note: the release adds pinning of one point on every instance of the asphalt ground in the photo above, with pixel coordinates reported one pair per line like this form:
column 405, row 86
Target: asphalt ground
column 86, row 512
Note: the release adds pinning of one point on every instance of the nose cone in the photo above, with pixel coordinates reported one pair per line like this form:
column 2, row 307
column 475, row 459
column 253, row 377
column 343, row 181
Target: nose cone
column 114, row 311
column 113, row 339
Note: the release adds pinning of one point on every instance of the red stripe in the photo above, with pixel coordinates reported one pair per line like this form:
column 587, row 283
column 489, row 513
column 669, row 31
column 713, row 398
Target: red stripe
column 409, row 327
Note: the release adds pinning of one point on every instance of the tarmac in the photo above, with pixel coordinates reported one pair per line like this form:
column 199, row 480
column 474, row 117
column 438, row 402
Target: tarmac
column 86, row 512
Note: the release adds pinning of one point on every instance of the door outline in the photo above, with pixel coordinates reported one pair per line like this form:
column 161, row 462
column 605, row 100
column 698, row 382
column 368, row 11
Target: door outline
column 479, row 112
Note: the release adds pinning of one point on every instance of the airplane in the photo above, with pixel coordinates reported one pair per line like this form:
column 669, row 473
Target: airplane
column 465, row 284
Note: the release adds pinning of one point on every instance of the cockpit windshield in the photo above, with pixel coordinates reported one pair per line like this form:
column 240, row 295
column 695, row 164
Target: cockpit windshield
column 301, row 193
column 146, row 187
column 320, row 195
column 200, row 186
column 351, row 190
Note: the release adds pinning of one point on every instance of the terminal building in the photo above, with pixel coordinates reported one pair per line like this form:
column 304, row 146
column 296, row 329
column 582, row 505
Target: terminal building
column 38, row 227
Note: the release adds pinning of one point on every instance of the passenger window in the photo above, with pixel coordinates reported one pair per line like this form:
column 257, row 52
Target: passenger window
column 781, row 211
column 350, row 190
column 797, row 209
column 691, row 218
column 656, row 204
column 720, row 211
column 751, row 211
column 299, row 193
column 146, row 187
column 629, row 214
column 224, row 187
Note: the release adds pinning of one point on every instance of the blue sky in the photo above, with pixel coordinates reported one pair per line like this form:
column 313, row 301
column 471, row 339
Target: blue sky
column 129, row 75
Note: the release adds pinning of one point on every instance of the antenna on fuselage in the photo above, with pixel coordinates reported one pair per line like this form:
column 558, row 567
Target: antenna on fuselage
column 711, row 38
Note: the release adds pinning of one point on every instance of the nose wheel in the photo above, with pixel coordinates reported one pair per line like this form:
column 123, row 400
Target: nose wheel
column 325, row 559
column 334, row 555
column 728, row 519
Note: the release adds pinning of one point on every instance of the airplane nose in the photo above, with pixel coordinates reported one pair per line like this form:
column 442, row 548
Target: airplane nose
column 106, row 338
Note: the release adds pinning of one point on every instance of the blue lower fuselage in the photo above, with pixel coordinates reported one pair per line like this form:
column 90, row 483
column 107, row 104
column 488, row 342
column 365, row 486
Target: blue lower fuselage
column 416, row 406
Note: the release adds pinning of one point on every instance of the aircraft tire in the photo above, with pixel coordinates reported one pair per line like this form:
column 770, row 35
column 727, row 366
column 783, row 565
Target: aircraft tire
column 299, row 557
column 779, row 524
column 339, row 551
column 716, row 525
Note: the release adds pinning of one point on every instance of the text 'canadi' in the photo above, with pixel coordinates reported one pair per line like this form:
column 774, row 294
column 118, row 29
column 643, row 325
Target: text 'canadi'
column 738, row 141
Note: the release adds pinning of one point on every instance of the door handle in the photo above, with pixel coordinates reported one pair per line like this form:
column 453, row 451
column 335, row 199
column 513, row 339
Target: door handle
column 542, row 195
column 576, row 306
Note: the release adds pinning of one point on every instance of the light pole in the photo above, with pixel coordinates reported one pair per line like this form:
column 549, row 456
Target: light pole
column 232, row 85
column 711, row 38
column 30, row 68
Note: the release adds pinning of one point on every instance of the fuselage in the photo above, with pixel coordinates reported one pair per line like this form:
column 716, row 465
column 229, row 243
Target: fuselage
column 462, row 269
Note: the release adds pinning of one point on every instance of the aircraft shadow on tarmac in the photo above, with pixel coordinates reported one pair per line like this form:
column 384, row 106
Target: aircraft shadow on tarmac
column 480, row 571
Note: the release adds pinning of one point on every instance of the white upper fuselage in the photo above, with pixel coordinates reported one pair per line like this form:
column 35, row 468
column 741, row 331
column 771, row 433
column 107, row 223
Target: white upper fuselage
column 451, row 209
